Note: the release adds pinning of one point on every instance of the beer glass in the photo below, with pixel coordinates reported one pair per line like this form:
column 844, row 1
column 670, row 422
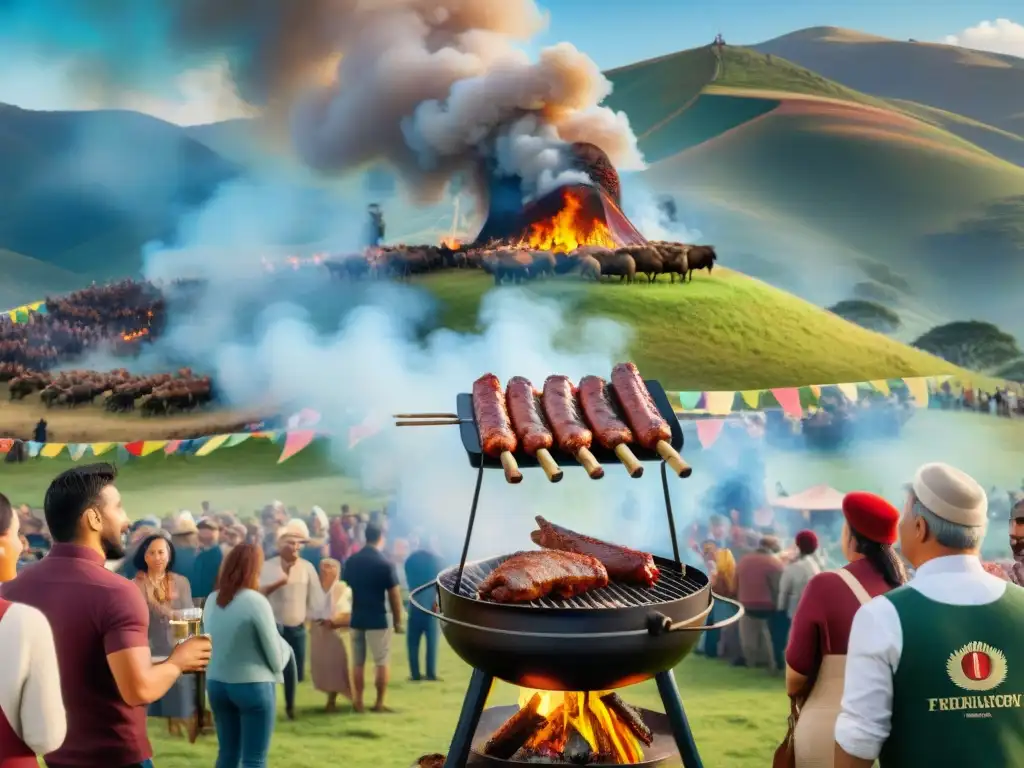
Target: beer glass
column 186, row 623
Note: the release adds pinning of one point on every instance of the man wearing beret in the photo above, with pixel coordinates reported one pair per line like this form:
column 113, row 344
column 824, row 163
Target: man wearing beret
column 956, row 696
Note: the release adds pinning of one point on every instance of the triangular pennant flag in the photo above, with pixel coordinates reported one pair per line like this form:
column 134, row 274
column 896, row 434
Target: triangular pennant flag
column 881, row 385
column 123, row 454
column 171, row 447
column 752, row 397
column 212, row 444
column 135, row 449
column 295, row 442
column 152, row 446
column 789, row 399
column 368, row 427
column 237, row 439
column 689, row 400
column 816, row 389
column 719, row 403
column 849, row 391
column 98, row 449
column 918, row 389
column 708, row 431
column 77, row 450
column 52, row 450
column 34, row 448
column 6, row 444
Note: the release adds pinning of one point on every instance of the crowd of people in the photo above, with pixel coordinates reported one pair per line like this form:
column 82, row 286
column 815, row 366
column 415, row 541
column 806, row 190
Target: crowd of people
column 80, row 322
column 1003, row 401
column 93, row 601
column 855, row 696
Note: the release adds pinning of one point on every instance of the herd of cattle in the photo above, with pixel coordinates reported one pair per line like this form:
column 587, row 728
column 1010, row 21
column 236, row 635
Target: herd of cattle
column 513, row 265
column 122, row 392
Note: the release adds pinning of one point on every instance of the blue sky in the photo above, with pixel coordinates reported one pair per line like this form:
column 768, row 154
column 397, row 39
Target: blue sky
column 612, row 32
column 617, row 32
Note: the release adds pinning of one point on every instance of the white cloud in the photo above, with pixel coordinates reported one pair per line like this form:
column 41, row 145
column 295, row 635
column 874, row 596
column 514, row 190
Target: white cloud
column 198, row 96
column 999, row 36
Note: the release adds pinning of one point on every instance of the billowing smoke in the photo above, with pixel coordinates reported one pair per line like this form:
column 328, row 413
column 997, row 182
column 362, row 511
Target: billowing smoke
column 429, row 86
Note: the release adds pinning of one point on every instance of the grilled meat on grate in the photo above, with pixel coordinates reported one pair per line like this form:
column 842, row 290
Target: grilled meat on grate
column 622, row 563
column 528, row 576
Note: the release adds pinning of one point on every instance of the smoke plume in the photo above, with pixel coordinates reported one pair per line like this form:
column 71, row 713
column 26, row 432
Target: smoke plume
column 429, row 86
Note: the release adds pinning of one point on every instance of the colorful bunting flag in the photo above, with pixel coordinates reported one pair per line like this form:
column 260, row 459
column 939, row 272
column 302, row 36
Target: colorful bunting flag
column 816, row 389
column 918, row 389
column 212, row 444
column 881, row 385
column 690, row 400
column 295, row 442
column 708, row 431
column 152, row 446
column 752, row 397
column 789, row 399
column 171, row 447
column 237, row 439
column 6, row 444
column 77, row 450
column 52, row 450
column 135, row 449
column 719, row 403
column 98, row 449
column 369, row 427
column 849, row 391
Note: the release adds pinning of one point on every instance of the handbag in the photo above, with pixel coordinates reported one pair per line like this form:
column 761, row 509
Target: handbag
column 785, row 753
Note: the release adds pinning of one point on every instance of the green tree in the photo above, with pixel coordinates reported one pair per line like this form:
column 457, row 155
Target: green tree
column 971, row 344
column 1014, row 371
column 867, row 314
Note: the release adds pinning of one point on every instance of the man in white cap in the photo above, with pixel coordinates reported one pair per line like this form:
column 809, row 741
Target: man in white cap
column 185, row 537
column 956, row 696
column 293, row 587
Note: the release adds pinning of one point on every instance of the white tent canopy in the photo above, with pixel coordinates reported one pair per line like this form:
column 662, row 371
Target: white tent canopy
column 819, row 498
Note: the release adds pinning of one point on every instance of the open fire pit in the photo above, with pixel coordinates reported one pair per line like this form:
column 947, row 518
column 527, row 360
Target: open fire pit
column 554, row 728
column 568, row 653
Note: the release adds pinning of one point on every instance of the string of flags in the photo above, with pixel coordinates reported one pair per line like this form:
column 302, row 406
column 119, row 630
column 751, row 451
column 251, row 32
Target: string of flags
column 22, row 313
column 711, row 408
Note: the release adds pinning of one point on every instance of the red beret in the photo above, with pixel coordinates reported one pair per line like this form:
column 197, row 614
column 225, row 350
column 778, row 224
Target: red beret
column 871, row 516
column 807, row 541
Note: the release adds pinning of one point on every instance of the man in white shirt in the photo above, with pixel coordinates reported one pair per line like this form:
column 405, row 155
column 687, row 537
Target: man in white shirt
column 956, row 696
column 292, row 586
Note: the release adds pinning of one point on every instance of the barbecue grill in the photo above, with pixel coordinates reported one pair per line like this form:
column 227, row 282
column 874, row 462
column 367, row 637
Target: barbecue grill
column 603, row 639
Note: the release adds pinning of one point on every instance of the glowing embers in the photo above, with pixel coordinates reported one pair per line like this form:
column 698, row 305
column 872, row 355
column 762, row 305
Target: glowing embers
column 592, row 728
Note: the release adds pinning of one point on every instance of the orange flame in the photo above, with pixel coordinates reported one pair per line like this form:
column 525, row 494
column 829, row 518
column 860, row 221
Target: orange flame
column 587, row 714
column 135, row 334
column 450, row 242
column 568, row 229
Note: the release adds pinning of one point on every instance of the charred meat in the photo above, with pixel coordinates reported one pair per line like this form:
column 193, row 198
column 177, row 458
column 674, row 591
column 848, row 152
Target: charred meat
column 622, row 563
column 528, row 576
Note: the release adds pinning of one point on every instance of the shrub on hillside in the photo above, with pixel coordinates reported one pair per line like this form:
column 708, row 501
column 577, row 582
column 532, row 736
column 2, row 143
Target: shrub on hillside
column 971, row 344
column 867, row 314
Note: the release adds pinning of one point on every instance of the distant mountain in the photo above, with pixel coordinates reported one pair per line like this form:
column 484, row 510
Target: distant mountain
column 986, row 87
column 84, row 191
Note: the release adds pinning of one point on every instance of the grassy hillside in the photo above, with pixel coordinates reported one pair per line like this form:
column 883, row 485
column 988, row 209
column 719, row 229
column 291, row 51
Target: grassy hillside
column 23, row 280
column 987, row 87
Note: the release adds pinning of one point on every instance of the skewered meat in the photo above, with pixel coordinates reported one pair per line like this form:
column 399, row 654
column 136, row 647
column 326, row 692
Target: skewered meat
column 526, row 416
column 648, row 425
column 496, row 435
column 622, row 563
column 560, row 406
column 597, row 406
column 530, row 576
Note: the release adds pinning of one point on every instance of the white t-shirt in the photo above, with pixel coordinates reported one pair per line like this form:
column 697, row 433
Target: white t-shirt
column 301, row 599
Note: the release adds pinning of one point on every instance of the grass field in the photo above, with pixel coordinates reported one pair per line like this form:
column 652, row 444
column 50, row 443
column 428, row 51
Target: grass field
column 737, row 716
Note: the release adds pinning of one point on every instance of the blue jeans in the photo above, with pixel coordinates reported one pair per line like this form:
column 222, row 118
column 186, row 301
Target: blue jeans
column 244, row 715
column 421, row 625
column 295, row 672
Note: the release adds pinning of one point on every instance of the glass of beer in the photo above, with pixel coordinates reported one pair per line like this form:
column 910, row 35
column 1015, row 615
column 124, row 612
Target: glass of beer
column 186, row 623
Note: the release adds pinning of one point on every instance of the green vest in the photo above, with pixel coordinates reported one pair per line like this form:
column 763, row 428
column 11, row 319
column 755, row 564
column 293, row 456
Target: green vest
column 958, row 693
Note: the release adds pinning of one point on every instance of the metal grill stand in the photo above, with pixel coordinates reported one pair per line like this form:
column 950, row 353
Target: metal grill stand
column 480, row 682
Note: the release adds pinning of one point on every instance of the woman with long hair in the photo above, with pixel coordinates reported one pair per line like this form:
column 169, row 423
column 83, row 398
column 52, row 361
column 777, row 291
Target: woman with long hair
column 329, row 657
column 32, row 717
column 816, row 654
column 166, row 592
column 249, row 658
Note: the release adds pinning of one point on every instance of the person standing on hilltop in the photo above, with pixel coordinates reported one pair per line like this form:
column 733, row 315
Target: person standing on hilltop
column 935, row 668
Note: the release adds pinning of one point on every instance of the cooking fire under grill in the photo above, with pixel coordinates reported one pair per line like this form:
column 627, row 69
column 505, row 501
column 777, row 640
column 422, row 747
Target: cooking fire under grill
column 672, row 585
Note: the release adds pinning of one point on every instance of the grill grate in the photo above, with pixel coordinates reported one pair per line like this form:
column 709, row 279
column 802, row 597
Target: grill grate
column 670, row 587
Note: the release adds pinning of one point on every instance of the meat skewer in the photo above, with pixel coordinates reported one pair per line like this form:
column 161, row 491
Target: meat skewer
column 570, row 431
column 528, row 576
column 649, row 427
column 529, row 425
column 497, row 439
column 611, row 431
column 622, row 563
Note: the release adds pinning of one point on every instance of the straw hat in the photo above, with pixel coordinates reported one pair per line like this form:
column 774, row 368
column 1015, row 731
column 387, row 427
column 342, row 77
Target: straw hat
column 183, row 524
column 294, row 529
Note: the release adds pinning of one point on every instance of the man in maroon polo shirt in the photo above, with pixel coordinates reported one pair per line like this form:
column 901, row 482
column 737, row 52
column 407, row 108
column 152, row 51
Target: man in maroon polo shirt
column 100, row 626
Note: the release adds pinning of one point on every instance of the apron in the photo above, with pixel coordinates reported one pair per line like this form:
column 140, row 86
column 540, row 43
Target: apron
column 13, row 752
column 814, row 737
